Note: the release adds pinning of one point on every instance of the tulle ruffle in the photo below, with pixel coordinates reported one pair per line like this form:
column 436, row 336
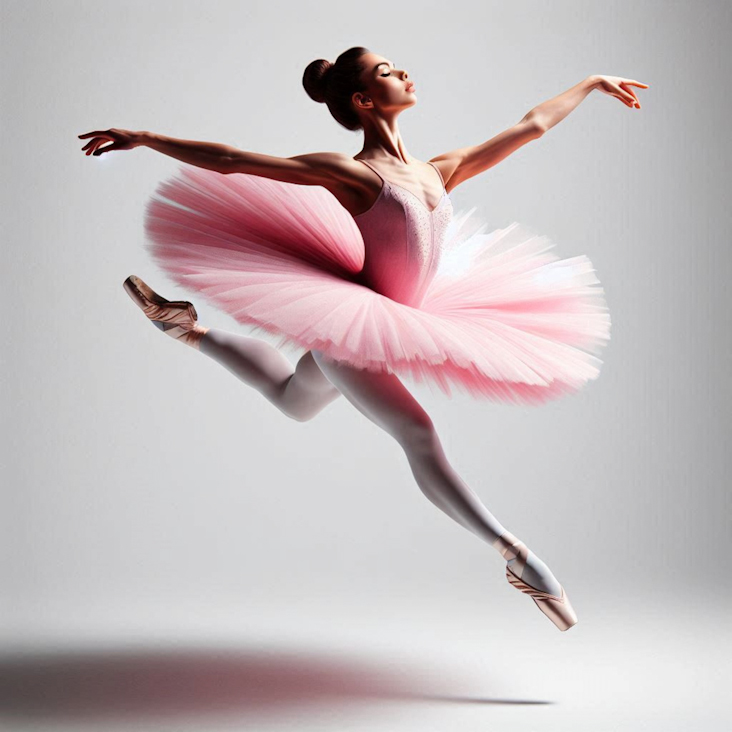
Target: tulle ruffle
column 503, row 319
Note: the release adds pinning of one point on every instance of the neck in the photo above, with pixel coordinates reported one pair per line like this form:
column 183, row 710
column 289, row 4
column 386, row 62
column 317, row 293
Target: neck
column 382, row 139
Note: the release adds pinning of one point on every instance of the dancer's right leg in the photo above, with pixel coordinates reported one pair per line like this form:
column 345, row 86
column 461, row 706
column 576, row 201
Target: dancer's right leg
column 300, row 392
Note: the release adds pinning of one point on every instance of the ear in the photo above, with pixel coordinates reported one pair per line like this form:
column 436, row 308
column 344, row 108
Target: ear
column 362, row 101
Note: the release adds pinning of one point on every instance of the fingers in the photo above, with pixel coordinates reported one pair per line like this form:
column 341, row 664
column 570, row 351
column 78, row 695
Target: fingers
column 102, row 150
column 624, row 95
column 631, row 93
column 98, row 137
column 624, row 99
column 619, row 87
column 627, row 83
column 93, row 145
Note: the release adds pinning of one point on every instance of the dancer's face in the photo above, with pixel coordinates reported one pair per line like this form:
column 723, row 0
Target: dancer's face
column 386, row 86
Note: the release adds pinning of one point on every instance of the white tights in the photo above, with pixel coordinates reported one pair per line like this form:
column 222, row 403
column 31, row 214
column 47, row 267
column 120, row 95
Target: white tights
column 303, row 391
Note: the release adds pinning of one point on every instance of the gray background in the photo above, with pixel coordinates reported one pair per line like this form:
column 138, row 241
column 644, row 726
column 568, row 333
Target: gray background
column 157, row 512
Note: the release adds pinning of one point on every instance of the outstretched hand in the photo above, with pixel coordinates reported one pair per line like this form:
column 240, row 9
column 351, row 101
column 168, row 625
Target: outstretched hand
column 121, row 140
column 617, row 86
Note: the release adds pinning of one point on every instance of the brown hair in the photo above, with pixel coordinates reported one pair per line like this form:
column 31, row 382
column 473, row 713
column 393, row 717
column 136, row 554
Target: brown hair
column 335, row 83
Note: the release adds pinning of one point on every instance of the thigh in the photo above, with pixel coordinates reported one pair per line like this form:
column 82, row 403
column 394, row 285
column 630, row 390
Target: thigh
column 379, row 396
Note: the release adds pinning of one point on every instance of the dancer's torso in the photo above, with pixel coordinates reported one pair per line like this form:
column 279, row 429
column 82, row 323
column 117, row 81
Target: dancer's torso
column 403, row 241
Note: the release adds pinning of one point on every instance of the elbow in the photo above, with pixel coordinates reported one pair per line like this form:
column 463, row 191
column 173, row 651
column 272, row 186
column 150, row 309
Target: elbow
column 533, row 126
column 225, row 166
column 539, row 128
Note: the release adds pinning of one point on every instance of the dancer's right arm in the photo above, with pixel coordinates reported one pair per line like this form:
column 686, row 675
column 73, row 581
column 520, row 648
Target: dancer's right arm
column 209, row 155
column 324, row 169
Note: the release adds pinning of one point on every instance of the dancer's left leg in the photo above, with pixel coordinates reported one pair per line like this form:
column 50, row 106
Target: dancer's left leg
column 386, row 401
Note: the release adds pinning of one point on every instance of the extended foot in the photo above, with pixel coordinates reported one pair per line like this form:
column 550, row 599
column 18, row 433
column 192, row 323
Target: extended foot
column 537, row 574
column 527, row 573
column 526, row 565
column 176, row 318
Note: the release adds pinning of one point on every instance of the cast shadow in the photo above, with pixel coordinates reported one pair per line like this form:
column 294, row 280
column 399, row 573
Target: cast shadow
column 117, row 685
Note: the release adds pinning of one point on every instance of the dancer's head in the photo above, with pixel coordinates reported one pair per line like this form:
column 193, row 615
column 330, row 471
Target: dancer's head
column 359, row 85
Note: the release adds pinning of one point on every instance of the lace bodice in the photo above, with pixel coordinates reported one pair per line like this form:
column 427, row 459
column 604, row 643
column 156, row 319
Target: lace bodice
column 403, row 241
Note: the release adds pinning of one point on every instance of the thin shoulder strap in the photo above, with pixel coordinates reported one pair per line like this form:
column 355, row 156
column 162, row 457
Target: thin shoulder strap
column 438, row 173
column 365, row 162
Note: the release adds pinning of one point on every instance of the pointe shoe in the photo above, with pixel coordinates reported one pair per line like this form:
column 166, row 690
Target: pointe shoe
column 176, row 318
column 558, row 609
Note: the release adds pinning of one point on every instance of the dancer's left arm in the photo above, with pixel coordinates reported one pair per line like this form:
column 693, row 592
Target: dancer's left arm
column 459, row 165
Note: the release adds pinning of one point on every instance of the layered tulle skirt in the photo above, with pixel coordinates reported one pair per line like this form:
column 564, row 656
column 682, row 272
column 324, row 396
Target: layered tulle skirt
column 504, row 318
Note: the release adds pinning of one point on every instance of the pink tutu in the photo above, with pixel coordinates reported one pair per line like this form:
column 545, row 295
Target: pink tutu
column 502, row 317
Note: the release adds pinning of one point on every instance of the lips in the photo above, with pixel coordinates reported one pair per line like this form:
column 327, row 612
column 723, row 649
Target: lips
column 410, row 87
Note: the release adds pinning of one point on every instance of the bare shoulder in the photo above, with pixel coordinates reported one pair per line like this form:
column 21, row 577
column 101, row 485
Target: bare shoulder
column 314, row 169
column 351, row 182
column 335, row 168
column 447, row 164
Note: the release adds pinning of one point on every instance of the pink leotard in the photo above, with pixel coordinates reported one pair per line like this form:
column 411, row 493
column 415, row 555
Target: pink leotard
column 403, row 241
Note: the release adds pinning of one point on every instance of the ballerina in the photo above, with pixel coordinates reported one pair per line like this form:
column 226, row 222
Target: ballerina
column 344, row 257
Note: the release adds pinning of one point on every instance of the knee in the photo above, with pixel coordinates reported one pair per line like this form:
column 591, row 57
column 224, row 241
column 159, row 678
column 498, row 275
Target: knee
column 300, row 415
column 418, row 435
column 306, row 414
column 304, row 407
column 300, row 412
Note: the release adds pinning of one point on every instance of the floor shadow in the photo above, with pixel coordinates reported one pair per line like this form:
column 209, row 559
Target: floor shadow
column 142, row 685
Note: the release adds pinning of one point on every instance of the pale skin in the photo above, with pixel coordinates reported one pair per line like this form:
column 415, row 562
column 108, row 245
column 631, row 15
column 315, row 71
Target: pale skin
column 302, row 392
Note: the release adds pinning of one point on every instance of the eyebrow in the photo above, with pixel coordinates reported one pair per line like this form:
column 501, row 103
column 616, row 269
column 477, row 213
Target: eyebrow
column 383, row 63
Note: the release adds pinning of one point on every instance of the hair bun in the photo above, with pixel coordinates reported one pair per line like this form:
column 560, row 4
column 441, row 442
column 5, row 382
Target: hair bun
column 315, row 78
